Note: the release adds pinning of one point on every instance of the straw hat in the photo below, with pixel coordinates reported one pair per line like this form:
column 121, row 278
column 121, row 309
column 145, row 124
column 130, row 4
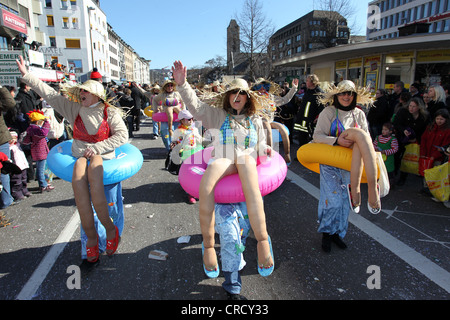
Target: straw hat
column 154, row 88
column 269, row 86
column 168, row 82
column 364, row 96
column 91, row 86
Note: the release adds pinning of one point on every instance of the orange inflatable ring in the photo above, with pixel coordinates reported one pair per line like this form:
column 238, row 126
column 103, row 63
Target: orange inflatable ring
column 312, row 155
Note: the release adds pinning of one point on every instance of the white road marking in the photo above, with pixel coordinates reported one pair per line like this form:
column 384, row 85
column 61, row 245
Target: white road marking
column 41, row 272
column 422, row 264
column 428, row 268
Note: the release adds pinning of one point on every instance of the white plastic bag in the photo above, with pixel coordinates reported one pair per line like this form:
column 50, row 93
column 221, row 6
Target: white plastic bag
column 383, row 179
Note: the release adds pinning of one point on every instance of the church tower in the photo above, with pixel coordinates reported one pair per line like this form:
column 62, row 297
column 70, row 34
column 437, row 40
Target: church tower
column 233, row 45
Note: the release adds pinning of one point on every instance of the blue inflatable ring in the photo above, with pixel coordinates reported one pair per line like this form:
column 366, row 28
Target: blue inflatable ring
column 128, row 162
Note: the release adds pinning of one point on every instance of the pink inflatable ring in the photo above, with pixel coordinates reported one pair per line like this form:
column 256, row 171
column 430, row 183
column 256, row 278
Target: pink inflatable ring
column 271, row 174
column 162, row 117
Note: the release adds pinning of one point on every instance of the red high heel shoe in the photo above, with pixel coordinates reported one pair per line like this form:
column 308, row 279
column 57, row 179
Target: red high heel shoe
column 92, row 252
column 111, row 245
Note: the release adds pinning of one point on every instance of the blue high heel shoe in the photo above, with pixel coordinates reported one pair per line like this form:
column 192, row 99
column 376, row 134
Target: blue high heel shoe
column 210, row 273
column 264, row 272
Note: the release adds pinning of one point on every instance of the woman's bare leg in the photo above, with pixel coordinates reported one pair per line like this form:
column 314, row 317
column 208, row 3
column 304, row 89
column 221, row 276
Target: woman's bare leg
column 248, row 175
column 80, row 186
column 169, row 112
column 95, row 177
column 364, row 143
column 285, row 138
column 355, row 175
column 268, row 131
column 215, row 171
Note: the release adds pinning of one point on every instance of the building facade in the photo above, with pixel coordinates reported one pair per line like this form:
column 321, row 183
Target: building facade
column 392, row 17
column 314, row 31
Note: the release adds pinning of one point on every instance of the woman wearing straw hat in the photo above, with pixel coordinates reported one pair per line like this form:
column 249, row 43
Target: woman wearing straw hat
column 342, row 123
column 170, row 100
column 239, row 138
column 98, row 130
column 265, row 87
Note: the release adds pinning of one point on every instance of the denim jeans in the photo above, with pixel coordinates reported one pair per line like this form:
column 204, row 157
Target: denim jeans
column 155, row 128
column 40, row 170
column 5, row 196
column 113, row 193
column 167, row 140
column 233, row 226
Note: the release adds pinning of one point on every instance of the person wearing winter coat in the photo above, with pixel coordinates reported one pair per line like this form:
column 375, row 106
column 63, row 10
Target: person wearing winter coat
column 7, row 102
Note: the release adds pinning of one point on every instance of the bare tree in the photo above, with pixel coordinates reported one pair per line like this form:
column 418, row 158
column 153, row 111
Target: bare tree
column 256, row 31
column 345, row 8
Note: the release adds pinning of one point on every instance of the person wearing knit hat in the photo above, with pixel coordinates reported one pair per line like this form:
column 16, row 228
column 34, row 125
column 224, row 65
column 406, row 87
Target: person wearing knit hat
column 343, row 123
column 98, row 129
column 95, row 75
column 234, row 116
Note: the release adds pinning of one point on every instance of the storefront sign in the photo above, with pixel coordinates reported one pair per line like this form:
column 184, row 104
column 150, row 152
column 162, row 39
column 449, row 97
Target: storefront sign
column 12, row 21
column 433, row 56
column 355, row 63
column 9, row 71
column 402, row 57
column 341, row 65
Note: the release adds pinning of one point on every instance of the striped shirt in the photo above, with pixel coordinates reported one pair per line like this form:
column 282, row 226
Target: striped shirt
column 384, row 140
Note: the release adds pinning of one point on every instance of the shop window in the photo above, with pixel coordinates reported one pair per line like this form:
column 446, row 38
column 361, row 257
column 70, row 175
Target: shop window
column 75, row 66
column 73, row 44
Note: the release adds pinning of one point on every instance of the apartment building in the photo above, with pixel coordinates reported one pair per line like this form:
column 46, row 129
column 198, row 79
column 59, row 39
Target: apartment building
column 314, row 31
column 394, row 16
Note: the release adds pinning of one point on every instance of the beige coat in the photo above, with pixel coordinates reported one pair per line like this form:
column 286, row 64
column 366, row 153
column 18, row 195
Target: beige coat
column 328, row 115
column 213, row 118
column 91, row 116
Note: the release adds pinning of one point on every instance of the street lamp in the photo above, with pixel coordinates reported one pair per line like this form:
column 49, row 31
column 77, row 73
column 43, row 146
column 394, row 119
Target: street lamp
column 90, row 34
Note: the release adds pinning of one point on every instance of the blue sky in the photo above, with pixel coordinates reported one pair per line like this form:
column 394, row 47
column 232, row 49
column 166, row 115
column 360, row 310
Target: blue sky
column 194, row 31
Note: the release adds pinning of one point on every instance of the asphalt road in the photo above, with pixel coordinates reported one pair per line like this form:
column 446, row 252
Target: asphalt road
column 400, row 254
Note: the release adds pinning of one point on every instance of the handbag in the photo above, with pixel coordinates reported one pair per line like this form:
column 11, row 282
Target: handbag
column 425, row 163
column 410, row 160
column 383, row 179
column 437, row 179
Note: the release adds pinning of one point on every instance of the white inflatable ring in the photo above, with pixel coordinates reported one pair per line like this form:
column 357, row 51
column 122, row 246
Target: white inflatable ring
column 271, row 174
column 128, row 162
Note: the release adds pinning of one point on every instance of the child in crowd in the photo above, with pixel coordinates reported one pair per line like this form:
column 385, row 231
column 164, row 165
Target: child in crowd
column 387, row 144
column 37, row 136
column 435, row 140
column 186, row 140
column 436, row 135
column 19, row 188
